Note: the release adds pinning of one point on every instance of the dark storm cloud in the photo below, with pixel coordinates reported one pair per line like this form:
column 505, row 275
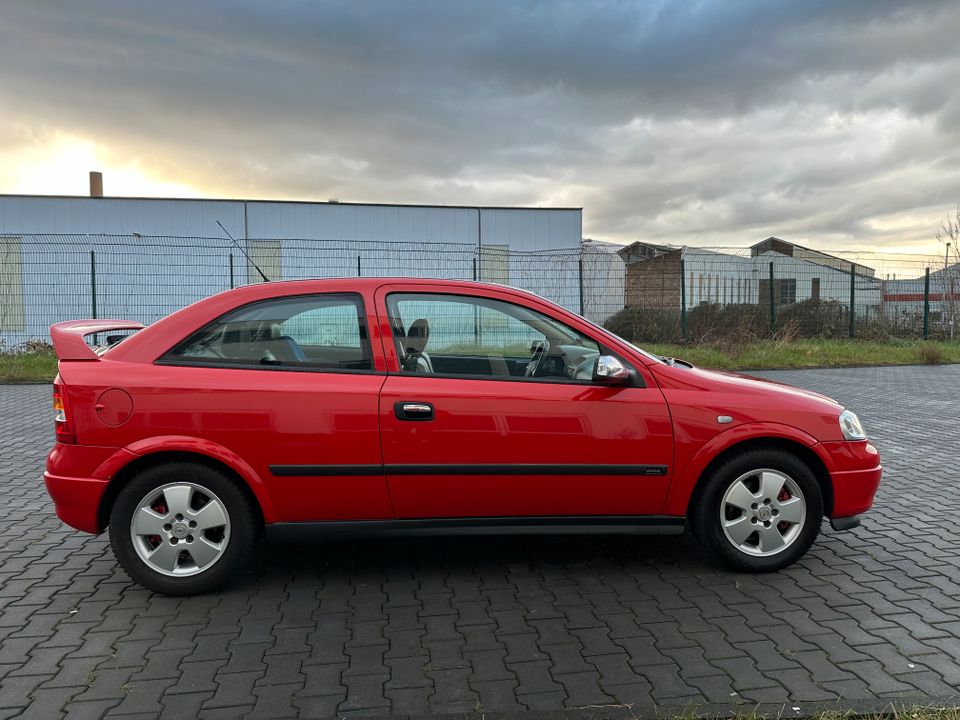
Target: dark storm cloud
column 710, row 122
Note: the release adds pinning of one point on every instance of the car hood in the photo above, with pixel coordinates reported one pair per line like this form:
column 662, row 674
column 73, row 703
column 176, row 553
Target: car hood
column 767, row 383
column 684, row 374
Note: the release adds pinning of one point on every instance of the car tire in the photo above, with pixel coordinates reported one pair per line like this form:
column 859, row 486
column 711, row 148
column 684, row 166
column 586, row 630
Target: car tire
column 182, row 528
column 758, row 511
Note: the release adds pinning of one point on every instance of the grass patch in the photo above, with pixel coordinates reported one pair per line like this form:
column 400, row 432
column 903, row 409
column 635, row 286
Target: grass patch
column 893, row 713
column 778, row 354
column 30, row 366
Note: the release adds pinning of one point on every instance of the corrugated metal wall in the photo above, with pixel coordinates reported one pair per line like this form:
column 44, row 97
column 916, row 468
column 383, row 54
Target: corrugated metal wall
column 520, row 229
column 153, row 256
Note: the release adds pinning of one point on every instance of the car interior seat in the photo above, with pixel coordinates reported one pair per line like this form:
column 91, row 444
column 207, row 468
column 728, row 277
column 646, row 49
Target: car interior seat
column 414, row 356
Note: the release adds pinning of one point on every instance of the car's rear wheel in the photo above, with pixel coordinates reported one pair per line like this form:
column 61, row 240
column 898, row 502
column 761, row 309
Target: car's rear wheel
column 181, row 528
column 758, row 511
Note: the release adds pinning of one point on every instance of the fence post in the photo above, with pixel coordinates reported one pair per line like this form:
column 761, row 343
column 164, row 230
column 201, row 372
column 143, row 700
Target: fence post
column 474, row 268
column 926, row 304
column 93, row 284
column 231, row 272
column 683, row 301
column 773, row 305
column 853, row 290
column 358, row 266
column 580, row 278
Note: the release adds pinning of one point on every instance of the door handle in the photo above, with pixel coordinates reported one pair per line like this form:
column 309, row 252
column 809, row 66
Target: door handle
column 413, row 410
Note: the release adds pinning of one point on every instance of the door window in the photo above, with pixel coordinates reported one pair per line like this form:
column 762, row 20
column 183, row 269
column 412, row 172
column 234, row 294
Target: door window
column 474, row 336
column 304, row 332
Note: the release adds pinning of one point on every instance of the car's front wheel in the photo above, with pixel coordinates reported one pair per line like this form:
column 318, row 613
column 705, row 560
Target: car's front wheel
column 181, row 528
column 758, row 511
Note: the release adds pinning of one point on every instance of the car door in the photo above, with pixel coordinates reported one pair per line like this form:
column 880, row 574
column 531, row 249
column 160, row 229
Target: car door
column 288, row 384
column 468, row 432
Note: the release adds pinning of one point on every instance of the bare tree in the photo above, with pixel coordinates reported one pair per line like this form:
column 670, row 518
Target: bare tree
column 949, row 236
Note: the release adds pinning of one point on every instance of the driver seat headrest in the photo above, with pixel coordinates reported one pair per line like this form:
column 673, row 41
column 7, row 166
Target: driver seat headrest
column 417, row 335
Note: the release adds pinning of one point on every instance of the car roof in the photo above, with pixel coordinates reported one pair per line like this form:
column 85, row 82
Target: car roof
column 361, row 284
column 145, row 345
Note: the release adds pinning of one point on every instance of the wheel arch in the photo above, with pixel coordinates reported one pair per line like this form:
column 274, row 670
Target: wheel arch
column 141, row 462
column 805, row 453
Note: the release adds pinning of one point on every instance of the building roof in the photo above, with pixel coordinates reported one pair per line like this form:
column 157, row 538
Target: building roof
column 638, row 251
column 284, row 202
column 775, row 244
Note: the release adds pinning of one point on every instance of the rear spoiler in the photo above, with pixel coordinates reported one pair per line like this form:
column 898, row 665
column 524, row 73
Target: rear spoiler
column 68, row 336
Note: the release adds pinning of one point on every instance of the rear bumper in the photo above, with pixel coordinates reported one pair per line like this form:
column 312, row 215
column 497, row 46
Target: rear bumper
column 76, row 500
column 76, row 478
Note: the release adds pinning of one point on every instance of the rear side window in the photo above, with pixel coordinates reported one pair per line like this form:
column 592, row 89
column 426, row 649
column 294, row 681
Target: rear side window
column 321, row 332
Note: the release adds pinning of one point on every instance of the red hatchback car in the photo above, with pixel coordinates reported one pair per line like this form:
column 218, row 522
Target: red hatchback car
column 401, row 405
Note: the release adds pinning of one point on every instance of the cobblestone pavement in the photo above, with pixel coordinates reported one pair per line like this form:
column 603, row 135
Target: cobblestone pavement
column 500, row 625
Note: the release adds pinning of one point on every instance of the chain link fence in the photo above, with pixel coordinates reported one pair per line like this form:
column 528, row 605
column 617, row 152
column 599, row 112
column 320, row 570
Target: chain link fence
column 643, row 292
column 776, row 289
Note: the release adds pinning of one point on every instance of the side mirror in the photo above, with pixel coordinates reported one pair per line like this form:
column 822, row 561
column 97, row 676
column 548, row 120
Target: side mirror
column 608, row 370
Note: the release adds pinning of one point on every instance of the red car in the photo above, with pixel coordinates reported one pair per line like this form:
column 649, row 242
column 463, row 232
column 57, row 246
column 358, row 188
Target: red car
column 423, row 406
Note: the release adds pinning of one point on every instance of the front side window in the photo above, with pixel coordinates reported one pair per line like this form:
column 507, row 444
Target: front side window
column 304, row 332
column 474, row 336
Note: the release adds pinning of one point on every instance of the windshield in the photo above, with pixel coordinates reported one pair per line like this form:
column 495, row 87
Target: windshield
column 640, row 350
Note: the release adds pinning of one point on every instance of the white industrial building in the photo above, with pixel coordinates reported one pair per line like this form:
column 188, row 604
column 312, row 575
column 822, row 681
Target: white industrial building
column 903, row 300
column 69, row 257
column 728, row 277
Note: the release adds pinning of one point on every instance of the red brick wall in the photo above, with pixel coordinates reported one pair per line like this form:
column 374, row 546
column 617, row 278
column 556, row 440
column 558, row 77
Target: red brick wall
column 654, row 283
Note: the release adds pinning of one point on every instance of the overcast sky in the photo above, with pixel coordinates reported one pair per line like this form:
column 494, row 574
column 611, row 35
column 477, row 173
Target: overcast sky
column 835, row 124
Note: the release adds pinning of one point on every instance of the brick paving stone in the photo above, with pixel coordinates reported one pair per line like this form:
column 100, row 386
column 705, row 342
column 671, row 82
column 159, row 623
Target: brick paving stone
column 493, row 624
column 275, row 701
column 364, row 692
column 89, row 710
column 583, row 688
column 183, row 705
column 233, row 689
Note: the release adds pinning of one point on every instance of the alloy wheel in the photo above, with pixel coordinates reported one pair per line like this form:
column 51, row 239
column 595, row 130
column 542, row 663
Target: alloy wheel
column 180, row 529
column 763, row 512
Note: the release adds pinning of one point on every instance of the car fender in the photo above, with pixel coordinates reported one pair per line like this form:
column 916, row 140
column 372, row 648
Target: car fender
column 687, row 476
column 198, row 446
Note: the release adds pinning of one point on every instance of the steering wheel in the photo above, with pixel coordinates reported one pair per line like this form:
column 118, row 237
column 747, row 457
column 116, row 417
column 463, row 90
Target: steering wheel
column 540, row 349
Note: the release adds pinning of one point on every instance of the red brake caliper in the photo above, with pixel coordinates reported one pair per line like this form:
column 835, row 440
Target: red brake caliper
column 160, row 508
column 784, row 495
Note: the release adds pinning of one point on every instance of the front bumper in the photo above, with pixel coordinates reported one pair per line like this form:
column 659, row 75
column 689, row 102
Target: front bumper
column 855, row 476
column 76, row 500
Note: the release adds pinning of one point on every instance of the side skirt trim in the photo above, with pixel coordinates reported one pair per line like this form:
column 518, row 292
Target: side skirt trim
column 473, row 469
column 558, row 525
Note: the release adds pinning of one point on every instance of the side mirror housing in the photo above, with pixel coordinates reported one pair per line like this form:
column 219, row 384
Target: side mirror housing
column 607, row 370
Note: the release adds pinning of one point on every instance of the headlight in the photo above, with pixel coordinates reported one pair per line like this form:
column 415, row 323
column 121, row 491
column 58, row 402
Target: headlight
column 850, row 426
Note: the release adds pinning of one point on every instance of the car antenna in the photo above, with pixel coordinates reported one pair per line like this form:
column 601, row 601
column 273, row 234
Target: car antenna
column 240, row 248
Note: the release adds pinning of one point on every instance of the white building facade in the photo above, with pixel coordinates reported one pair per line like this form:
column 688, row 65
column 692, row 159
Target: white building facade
column 142, row 258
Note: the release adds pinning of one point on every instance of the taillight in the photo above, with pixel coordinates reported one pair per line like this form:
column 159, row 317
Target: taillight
column 61, row 420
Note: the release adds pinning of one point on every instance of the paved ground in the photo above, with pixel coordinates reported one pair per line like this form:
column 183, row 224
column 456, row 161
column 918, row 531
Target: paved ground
column 501, row 625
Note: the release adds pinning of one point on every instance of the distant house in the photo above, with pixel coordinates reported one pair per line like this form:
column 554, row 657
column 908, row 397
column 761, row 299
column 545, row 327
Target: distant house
column 729, row 277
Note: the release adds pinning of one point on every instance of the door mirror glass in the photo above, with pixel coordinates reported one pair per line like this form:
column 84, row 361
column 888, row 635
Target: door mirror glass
column 607, row 370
